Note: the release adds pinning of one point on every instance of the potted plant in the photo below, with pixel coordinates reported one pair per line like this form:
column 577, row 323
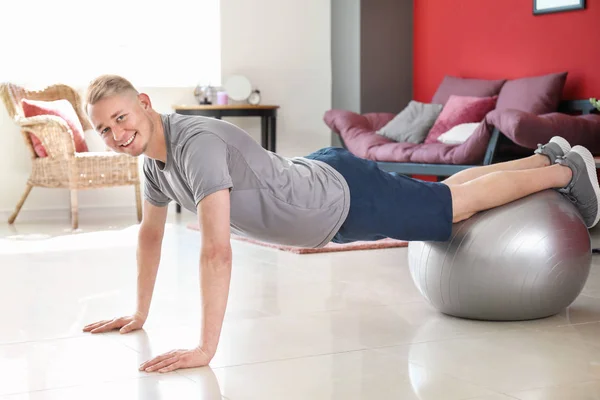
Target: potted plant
column 595, row 103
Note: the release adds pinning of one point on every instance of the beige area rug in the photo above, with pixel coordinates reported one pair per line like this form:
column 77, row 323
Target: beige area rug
column 330, row 247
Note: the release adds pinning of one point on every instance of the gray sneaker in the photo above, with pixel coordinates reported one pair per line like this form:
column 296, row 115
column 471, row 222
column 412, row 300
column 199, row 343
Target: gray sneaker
column 555, row 148
column 583, row 190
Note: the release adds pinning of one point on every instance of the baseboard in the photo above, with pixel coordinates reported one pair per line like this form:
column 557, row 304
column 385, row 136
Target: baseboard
column 64, row 214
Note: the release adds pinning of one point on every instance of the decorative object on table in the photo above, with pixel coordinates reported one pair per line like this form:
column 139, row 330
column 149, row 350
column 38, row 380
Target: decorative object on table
column 553, row 6
column 595, row 103
column 222, row 98
column 238, row 87
column 254, row 98
column 204, row 94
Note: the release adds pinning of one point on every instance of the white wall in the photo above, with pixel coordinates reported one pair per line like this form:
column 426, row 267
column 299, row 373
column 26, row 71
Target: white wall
column 345, row 54
column 283, row 47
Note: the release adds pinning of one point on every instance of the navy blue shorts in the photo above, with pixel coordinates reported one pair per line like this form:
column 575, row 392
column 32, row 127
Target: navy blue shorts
column 386, row 204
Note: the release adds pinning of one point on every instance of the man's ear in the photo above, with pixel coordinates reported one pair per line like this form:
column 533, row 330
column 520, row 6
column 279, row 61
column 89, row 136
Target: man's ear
column 144, row 100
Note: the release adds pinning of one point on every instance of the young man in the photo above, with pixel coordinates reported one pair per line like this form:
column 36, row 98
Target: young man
column 215, row 169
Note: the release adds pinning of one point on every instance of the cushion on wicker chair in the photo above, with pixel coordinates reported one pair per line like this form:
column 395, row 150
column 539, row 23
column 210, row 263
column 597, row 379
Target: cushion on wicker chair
column 60, row 108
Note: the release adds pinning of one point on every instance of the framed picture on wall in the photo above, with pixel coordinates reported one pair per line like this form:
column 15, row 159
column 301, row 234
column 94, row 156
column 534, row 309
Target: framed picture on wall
column 552, row 6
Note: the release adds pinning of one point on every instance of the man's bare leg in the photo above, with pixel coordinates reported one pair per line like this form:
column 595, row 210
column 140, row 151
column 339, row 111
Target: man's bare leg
column 501, row 187
column 544, row 156
column 534, row 161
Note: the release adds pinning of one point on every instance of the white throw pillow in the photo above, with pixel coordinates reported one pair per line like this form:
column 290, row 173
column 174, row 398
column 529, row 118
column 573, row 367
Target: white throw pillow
column 458, row 134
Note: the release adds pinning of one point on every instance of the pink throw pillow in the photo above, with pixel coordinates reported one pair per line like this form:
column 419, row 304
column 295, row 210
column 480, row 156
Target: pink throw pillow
column 460, row 110
column 60, row 108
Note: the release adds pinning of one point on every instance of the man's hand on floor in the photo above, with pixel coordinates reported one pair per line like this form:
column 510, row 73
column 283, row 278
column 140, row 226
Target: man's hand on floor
column 177, row 359
column 124, row 324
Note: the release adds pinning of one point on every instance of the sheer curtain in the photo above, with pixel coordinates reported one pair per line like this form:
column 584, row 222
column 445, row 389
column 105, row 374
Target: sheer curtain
column 160, row 43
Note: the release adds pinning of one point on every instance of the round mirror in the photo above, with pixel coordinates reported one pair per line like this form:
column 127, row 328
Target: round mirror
column 238, row 87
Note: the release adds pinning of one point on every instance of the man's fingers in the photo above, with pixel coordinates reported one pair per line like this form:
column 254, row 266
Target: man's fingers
column 89, row 327
column 172, row 367
column 106, row 327
column 163, row 364
column 127, row 328
column 95, row 325
column 156, row 360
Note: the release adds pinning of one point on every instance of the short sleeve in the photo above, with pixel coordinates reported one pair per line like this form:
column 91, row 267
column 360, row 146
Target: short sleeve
column 205, row 164
column 152, row 192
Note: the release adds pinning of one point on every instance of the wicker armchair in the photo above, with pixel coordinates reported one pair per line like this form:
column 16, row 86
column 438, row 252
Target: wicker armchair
column 65, row 168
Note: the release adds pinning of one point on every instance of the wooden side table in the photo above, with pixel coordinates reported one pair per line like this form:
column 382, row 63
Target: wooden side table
column 267, row 114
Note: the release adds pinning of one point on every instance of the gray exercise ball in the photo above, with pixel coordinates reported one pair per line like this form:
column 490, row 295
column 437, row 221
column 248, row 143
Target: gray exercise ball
column 525, row 260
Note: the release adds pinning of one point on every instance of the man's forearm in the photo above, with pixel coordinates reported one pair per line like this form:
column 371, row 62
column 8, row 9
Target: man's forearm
column 215, row 275
column 148, row 260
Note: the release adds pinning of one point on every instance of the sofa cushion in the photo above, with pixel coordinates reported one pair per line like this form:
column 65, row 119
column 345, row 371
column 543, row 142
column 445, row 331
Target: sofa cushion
column 459, row 134
column 60, row 108
column 537, row 94
column 358, row 130
column 358, row 133
column 452, row 85
column 529, row 130
column 460, row 110
column 413, row 123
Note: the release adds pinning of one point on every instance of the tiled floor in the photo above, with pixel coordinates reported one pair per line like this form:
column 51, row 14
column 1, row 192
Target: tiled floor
column 325, row 326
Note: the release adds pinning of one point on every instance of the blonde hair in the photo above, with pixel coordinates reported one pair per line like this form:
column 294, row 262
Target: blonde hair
column 105, row 86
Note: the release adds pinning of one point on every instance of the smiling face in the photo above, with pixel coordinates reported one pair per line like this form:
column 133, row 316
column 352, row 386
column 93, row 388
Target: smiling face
column 124, row 122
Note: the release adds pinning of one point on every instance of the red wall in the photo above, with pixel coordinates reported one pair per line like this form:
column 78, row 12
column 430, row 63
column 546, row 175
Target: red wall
column 503, row 39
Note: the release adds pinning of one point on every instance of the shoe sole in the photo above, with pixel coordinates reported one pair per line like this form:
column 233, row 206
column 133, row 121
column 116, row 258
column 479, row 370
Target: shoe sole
column 590, row 165
column 562, row 143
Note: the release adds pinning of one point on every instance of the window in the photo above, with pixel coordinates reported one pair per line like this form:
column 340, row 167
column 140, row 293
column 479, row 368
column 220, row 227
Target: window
column 170, row 43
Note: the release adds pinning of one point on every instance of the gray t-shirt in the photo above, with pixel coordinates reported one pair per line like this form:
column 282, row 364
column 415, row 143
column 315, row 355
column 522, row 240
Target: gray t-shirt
column 289, row 201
